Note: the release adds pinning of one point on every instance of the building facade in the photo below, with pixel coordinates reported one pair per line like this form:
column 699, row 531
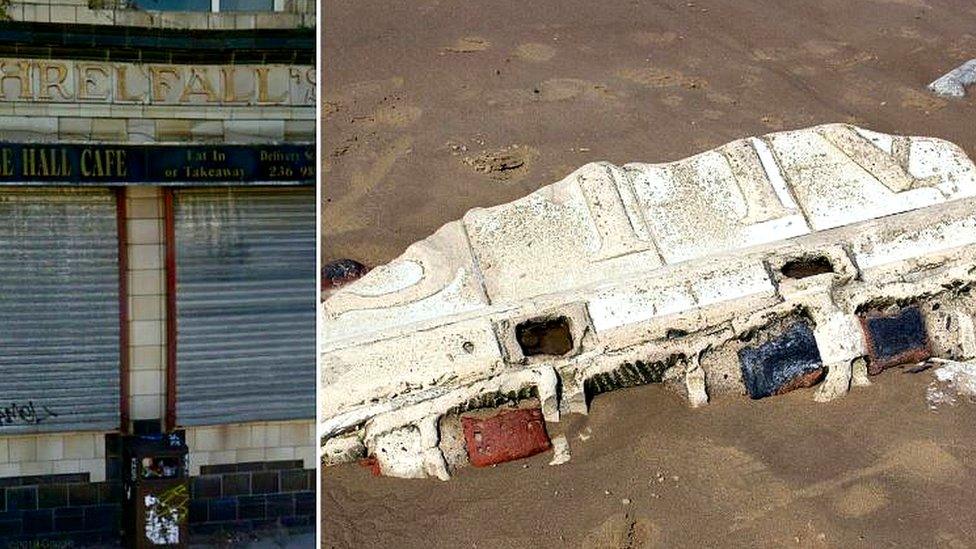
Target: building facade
column 157, row 258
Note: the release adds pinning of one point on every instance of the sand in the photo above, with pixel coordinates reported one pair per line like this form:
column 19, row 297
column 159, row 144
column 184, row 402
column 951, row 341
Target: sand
column 874, row 469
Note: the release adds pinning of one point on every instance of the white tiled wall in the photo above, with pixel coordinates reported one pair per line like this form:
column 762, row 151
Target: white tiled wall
column 147, row 302
column 245, row 442
column 52, row 454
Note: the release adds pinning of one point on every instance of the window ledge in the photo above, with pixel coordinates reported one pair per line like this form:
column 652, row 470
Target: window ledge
column 297, row 14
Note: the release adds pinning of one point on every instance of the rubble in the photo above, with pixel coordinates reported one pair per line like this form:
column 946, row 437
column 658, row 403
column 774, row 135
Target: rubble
column 955, row 82
column 560, row 450
column 813, row 256
column 340, row 272
column 953, row 381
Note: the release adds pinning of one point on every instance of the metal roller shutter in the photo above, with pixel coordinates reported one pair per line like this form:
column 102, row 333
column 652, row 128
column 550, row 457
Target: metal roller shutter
column 59, row 310
column 245, row 304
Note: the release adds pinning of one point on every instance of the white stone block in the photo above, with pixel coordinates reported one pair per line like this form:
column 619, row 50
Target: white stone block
column 840, row 177
column 400, row 453
column 449, row 355
column 583, row 229
column 722, row 199
column 434, row 278
column 652, row 263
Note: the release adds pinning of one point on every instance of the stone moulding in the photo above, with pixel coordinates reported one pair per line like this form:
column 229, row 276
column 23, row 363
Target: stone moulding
column 656, row 273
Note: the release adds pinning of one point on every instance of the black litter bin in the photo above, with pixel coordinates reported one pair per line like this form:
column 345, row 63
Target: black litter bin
column 156, row 489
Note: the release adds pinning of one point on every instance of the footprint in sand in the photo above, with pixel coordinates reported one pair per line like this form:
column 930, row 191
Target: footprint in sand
column 659, row 77
column 468, row 44
column 861, row 499
column 672, row 100
column 560, row 89
column 396, row 115
column 330, row 107
column 621, row 531
column 534, row 52
column 554, row 89
column 650, row 38
column 505, row 164
column 919, row 100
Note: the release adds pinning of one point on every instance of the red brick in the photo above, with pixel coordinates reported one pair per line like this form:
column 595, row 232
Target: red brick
column 803, row 381
column 508, row 436
column 371, row 464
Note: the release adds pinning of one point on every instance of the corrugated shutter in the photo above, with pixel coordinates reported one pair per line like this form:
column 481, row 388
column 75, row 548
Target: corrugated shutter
column 59, row 310
column 245, row 304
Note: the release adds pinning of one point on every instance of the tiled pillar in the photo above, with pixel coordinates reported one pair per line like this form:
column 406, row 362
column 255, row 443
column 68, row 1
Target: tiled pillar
column 147, row 302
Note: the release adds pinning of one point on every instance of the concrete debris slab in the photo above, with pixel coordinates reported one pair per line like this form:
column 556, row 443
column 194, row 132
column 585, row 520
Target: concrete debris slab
column 767, row 264
column 955, row 82
column 953, row 381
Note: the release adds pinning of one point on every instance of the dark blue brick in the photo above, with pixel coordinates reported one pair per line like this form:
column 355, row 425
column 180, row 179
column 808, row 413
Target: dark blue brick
column 102, row 517
column 110, row 492
column 10, row 527
column 293, row 480
column 69, row 519
column 198, row 510
column 211, row 528
column 252, row 507
column 772, row 366
column 305, row 503
column 896, row 338
column 38, row 522
column 113, row 468
column 22, row 498
column 52, row 495
column 222, row 509
column 236, row 484
column 82, row 494
column 264, row 482
column 297, row 523
column 207, row 486
column 281, row 505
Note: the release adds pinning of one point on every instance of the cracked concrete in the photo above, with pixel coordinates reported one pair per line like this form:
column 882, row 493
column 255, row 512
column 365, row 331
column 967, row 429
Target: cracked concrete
column 664, row 272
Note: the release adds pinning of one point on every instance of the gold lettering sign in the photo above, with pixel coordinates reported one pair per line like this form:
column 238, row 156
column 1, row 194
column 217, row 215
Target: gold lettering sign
column 122, row 86
column 46, row 83
column 160, row 85
column 230, row 86
column 198, row 84
column 24, row 80
column 103, row 163
column 20, row 71
column 92, row 82
column 6, row 162
column 45, row 162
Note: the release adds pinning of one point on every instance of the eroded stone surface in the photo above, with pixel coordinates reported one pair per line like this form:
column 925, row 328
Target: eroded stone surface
column 658, row 273
column 955, row 82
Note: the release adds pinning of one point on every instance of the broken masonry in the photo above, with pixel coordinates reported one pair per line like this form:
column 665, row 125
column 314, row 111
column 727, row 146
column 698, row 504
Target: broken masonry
column 806, row 258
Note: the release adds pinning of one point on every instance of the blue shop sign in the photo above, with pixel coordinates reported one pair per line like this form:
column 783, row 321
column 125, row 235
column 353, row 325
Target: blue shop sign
column 196, row 165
